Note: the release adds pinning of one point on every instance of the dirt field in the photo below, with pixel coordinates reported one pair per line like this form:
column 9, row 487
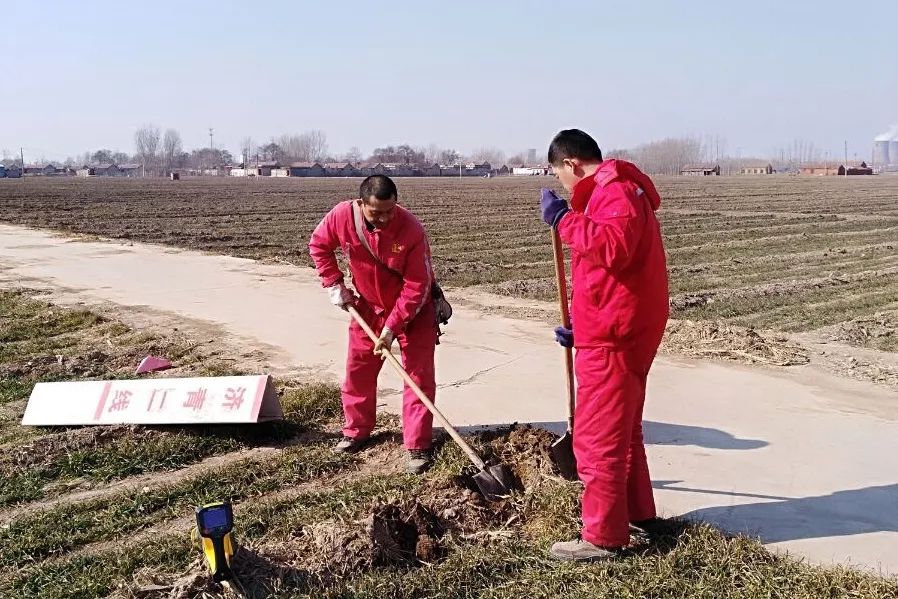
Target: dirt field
column 106, row 511
column 814, row 258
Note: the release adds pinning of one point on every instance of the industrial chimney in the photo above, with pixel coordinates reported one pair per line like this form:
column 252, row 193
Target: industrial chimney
column 885, row 148
column 881, row 153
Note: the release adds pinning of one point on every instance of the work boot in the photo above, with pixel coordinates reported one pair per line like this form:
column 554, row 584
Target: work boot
column 419, row 460
column 349, row 445
column 581, row 551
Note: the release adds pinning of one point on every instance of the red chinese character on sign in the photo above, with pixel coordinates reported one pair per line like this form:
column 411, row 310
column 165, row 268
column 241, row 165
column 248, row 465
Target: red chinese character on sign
column 153, row 398
column 121, row 401
column 234, row 398
column 195, row 399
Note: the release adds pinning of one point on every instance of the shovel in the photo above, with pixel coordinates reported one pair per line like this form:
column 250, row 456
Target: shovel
column 494, row 482
column 563, row 447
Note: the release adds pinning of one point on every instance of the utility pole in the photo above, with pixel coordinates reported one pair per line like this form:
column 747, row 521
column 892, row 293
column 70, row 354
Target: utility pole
column 211, row 150
column 846, row 157
column 22, row 157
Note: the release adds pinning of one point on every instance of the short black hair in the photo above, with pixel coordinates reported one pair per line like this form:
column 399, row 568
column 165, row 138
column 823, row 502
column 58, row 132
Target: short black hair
column 379, row 186
column 573, row 143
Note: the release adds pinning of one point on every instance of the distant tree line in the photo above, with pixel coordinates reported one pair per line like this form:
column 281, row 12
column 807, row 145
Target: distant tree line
column 159, row 153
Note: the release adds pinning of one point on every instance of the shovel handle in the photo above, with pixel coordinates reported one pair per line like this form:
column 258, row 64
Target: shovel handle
column 421, row 395
column 561, row 283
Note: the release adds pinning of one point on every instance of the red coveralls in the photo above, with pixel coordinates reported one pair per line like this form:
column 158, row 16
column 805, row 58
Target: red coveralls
column 403, row 304
column 619, row 309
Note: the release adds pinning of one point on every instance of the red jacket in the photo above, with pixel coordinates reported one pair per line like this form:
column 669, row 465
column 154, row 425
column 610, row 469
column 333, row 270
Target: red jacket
column 402, row 245
column 619, row 269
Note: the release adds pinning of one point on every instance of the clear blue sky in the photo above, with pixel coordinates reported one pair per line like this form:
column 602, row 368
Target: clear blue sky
column 459, row 74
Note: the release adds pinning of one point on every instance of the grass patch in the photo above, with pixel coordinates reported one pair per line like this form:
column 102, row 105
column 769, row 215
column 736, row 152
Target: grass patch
column 123, row 457
column 64, row 528
column 95, row 576
column 702, row 564
column 13, row 390
column 683, row 560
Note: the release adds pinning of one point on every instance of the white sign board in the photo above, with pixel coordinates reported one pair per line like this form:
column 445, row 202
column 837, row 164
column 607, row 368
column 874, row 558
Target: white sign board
column 207, row 400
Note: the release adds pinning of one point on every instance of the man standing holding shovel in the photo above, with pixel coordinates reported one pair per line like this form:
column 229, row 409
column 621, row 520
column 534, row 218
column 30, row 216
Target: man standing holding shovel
column 389, row 258
column 619, row 311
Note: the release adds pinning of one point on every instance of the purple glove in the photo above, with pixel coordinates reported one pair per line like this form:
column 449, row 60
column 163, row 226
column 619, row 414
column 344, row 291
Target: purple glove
column 564, row 337
column 552, row 207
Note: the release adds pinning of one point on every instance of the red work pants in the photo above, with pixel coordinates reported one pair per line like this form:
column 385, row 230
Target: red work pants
column 417, row 345
column 608, row 441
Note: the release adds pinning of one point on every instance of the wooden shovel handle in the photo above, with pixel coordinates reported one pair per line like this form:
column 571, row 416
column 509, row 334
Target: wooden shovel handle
column 561, row 283
column 389, row 357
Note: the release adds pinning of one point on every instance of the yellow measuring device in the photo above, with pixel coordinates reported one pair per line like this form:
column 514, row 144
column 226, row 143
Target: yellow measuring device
column 214, row 526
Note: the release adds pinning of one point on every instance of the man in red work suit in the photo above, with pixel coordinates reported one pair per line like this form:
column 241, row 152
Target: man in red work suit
column 389, row 259
column 619, row 309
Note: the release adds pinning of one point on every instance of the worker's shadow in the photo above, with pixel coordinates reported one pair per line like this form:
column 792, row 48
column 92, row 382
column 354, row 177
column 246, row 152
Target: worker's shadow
column 776, row 519
column 664, row 433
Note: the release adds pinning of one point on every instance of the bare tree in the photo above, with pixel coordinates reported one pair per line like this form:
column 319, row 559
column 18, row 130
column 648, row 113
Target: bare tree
column 294, row 147
column 317, row 144
column 247, row 146
column 119, row 158
column 488, row 154
column 403, row 154
column 171, row 147
column 432, row 153
column 353, row 155
column 101, row 156
column 667, row 156
column 449, row 157
column 146, row 142
column 306, row 147
column 272, row 151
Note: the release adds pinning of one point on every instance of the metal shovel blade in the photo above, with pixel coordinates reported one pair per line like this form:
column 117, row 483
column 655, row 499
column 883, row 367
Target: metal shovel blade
column 495, row 482
column 563, row 456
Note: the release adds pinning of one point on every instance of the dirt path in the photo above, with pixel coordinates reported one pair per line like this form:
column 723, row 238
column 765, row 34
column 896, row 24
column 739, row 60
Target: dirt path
column 804, row 459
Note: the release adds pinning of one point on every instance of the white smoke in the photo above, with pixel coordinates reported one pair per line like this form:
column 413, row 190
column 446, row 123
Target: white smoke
column 890, row 135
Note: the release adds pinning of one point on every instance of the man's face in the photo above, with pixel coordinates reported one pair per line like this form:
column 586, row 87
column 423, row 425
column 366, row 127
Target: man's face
column 566, row 174
column 379, row 212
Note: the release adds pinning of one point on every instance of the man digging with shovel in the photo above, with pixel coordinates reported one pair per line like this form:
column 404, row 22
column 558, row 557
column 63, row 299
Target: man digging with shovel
column 618, row 312
column 389, row 258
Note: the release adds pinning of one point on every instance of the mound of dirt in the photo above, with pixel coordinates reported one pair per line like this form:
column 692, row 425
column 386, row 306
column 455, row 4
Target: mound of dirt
column 526, row 450
column 879, row 331
column 718, row 340
column 395, row 534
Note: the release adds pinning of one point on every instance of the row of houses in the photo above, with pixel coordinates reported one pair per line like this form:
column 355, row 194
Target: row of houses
column 835, row 169
column 10, row 172
column 34, row 170
column 364, row 169
column 51, row 170
column 109, row 169
column 823, row 169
